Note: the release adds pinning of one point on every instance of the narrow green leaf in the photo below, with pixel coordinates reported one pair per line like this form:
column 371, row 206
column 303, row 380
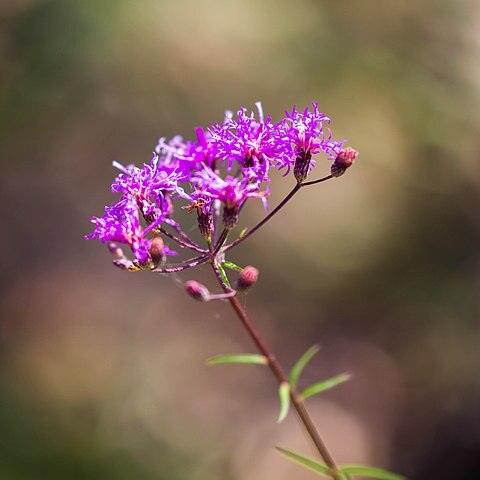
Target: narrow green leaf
column 284, row 395
column 243, row 232
column 241, row 358
column 305, row 461
column 301, row 364
column 232, row 266
column 223, row 275
column 369, row 472
column 325, row 385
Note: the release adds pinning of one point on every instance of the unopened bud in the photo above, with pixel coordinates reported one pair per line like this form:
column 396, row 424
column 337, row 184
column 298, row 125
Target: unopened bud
column 115, row 250
column 205, row 224
column 343, row 161
column 156, row 250
column 197, row 291
column 302, row 166
column 247, row 278
column 230, row 215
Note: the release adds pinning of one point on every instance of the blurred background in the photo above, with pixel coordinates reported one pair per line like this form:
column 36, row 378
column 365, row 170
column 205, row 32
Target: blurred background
column 102, row 373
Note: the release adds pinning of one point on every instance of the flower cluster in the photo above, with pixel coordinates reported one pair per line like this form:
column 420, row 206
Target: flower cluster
column 214, row 175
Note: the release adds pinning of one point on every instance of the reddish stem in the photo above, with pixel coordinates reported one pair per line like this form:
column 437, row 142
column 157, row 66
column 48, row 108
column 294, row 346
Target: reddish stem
column 294, row 190
column 282, row 377
column 193, row 262
column 181, row 242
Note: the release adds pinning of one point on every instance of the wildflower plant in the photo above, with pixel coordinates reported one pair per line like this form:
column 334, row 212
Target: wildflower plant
column 213, row 177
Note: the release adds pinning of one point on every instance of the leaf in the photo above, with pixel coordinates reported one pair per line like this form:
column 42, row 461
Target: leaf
column 284, row 395
column 305, row 461
column 223, row 275
column 251, row 358
column 325, row 385
column 301, row 363
column 232, row 266
column 243, row 232
column 369, row 472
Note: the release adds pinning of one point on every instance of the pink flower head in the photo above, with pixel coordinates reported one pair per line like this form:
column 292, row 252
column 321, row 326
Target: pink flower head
column 150, row 187
column 246, row 145
column 307, row 134
column 121, row 223
column 252, row 143
column 231, row 192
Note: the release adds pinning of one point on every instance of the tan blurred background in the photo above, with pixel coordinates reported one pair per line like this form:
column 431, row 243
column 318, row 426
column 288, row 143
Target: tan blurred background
column 102, row 373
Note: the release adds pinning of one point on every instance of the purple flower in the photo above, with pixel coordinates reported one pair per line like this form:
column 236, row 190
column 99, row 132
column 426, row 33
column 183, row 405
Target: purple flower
column 145, row 191
column 203, row 151
column 150, row 187
column 231, row 192
column 187, row 156
column 225, row 165
column 254, row 144
column 307, row 135
column 121, row 223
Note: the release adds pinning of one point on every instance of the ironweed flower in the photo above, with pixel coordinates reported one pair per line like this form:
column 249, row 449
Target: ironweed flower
column 230, row 191
column 121, row 223
column 149, row 186
column 307, row 135
column 216, row 174
column 254, row 144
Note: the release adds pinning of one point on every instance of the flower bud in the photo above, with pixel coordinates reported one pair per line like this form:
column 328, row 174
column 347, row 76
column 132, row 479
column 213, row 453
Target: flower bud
column 247, row 278
column 197, row 291
column 230, row 215
column 115, row 250
column 302, row 166
column 343, row 161
column 156, row 250
column 205, row 223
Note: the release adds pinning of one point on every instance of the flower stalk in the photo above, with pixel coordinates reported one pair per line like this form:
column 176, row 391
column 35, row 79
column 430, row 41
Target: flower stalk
column 262, row 222
column 215, row 176
column 282, row 378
